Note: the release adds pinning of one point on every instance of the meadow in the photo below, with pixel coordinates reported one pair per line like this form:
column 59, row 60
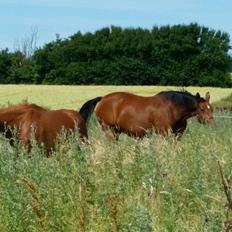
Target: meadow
column 153, row 184
column 74, row 96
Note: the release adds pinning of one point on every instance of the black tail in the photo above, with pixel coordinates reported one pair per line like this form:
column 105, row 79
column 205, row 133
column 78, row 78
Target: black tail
column 87, row 109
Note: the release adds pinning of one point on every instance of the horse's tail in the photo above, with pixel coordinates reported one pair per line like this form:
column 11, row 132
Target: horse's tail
column 87, row 108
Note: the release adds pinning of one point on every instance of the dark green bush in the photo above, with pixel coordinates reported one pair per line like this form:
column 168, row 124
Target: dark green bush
column 179, row 55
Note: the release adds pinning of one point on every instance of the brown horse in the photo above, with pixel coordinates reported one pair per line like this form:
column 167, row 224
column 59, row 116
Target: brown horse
column 167, row 111
column 46, row 123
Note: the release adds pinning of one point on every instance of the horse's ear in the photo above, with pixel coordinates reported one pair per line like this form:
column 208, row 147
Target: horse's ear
column 207, row 96
column 198, row 96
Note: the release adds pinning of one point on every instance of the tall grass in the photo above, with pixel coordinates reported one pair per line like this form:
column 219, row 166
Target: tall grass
column 153, row 184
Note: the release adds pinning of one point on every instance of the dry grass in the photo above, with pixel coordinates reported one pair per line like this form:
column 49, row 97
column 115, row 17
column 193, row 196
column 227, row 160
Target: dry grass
column 75, row 96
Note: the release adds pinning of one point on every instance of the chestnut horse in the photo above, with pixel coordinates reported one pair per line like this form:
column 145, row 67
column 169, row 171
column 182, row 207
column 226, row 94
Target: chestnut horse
column 46, row 123
column 122, row 112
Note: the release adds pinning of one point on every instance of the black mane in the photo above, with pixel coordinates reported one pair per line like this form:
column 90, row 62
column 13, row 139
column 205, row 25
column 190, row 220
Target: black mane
column 181, row 98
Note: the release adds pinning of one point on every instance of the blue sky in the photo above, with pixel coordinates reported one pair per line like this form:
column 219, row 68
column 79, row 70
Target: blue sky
column 65, row 17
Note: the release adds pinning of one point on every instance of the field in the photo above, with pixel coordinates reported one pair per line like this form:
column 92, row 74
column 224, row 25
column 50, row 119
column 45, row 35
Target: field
column 154, row 184
column 74, row 96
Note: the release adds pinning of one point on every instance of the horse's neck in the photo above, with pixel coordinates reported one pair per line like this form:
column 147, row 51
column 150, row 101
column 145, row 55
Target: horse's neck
column 185, row 113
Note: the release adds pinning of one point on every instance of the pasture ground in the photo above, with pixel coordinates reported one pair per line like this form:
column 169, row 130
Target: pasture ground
column 74, row 96
column 154, row 184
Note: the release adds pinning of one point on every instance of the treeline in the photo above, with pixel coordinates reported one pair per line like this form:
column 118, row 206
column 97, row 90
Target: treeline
column 180, row 55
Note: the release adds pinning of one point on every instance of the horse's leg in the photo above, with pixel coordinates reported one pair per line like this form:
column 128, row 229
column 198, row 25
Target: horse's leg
column 24, row 138
column 162, row 131
column 48, row 145
column 110, row 131
column 83, row 134
column 115, row 132
column 179, row 128
column 46, row 140
column 49, row 151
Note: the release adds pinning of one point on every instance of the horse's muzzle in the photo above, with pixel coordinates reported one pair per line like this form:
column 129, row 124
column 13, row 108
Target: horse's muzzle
column 206, row 120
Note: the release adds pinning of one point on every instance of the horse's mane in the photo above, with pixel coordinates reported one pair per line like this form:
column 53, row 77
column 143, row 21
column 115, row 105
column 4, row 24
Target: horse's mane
column 181, row 98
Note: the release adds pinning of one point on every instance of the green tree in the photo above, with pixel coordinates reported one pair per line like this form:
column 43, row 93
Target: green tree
column 168, row 55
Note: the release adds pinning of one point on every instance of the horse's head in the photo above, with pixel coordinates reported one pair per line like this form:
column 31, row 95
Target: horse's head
column 204, row 109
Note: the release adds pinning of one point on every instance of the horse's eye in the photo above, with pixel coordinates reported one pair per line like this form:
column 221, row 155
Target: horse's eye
column 202, row 110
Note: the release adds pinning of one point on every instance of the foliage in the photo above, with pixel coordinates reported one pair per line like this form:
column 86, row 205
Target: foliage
column 16, row 68
column 181, row 55
column 154, row 184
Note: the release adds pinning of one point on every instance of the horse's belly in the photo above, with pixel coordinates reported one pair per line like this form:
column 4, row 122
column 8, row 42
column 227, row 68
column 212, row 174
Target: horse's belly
column 135, row 129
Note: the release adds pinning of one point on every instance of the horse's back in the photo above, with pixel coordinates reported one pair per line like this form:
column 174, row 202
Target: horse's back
column 53, row 121
column 68, row 119
column 127, row 112
column 120, row 100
